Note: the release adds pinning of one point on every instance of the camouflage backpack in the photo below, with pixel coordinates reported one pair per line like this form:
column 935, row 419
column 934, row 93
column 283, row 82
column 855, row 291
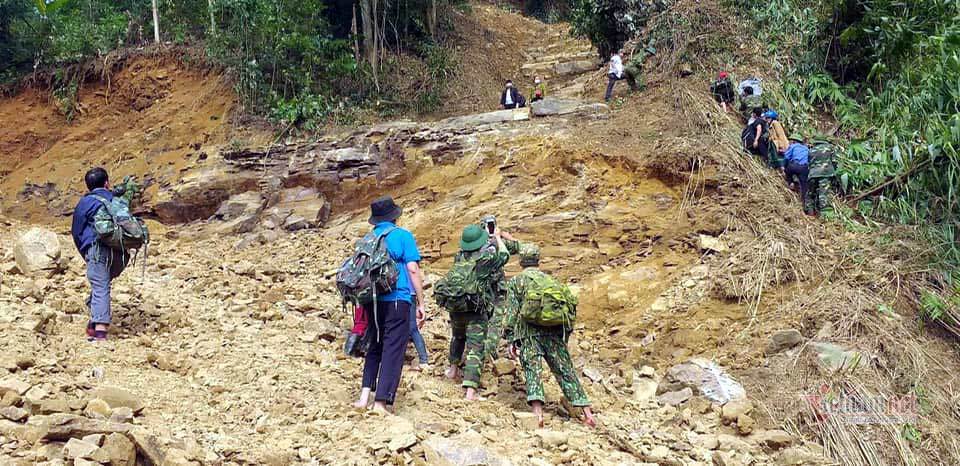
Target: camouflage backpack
column 547, row 302
column 821, row 161
column 370, row 272
column 117, row 228
column 461, row 290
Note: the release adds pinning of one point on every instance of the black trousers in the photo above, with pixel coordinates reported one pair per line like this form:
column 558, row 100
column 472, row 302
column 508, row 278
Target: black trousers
column 801, row 172
column 384, row 361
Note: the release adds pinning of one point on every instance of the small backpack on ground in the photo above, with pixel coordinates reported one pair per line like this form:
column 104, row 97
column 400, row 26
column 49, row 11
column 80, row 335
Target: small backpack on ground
column 547, row 302
column 461, row 290
column 370, row 272
column 117, row 228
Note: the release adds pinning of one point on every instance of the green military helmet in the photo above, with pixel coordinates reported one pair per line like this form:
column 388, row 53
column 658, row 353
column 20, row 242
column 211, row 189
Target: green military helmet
column 529, row 255
column 473, row 238
column 796, row 137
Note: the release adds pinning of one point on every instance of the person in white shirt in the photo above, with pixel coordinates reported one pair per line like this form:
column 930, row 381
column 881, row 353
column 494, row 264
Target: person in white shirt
column 510, row 98
column 615, row 73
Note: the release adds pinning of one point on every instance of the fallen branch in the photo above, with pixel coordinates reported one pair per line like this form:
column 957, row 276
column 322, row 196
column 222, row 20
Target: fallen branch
column 895, row 180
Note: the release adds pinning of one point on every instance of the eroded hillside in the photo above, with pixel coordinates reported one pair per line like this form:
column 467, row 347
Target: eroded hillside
column 226, row 347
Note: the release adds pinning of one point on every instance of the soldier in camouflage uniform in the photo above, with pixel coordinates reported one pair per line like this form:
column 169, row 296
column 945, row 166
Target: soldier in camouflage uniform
column 822, row 170
column 495, row 324
column 533, row 343
column 469, row 329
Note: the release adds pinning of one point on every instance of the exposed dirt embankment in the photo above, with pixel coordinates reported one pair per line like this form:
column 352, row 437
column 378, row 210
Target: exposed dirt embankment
column 153, row 118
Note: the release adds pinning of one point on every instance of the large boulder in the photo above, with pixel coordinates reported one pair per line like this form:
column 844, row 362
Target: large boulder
column 575, row 67
column 200, row 193
column 300, row 208
column 498, row 116
column 551, row 106
column 37, row 252
column 240, row 213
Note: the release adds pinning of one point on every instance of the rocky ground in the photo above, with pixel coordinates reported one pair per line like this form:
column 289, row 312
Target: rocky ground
column 226, row 347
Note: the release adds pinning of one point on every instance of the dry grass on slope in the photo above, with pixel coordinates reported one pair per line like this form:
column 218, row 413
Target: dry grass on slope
column 857, row 288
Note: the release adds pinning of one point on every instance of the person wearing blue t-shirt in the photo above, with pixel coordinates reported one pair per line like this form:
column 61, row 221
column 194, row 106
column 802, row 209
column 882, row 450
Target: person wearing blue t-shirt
column 797, row 164
column 384, row 360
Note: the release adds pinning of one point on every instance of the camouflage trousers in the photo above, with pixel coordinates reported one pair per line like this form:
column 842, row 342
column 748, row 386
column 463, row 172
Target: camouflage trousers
column 468, row 334
column 818, row 197
column 495, row 331
column 553, row 348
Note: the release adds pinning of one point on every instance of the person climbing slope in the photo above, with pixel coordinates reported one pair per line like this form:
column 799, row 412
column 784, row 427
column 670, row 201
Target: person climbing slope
column 539, row 90
column 101, row 224
column 796, row 160
column 468, row 293
column 388, row 314
column 510, row 98
column 749, row 101
column 822, row 171
column 541, row 314
column 722, row 90
column 614, row 74
column 778, row 136
column 756, row 135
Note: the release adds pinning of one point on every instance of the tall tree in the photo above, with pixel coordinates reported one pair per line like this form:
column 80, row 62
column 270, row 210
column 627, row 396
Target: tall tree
column 156, row 23
column 368, row 17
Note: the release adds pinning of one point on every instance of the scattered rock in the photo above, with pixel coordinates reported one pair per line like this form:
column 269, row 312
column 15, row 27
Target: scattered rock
column 14, row 385
column 775, row 439
column 644, row 388
column 796, row 456
column 709, row 243
column 783, row 340
column 117, row 397
column 37, row 252
column 705, row 378
column 504, row 366
column 117, row 450
column 734, row 409
column 55, row 405
column 745, row 424
column 14, row 414
column 121, row 415
column 593, row 374
column 552, row 439
column 834, row 358
column 66, row 426
column 97, row 409
column 675, row 398
column 76, row 448
column 460, row 450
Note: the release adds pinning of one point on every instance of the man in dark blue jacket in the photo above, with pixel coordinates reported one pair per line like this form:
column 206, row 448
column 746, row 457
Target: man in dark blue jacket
column 103, row 263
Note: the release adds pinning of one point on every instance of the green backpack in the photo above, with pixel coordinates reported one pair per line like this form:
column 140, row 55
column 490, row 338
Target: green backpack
column 370, row 272
column 117, row 228
column 461, row 290
column 547, row 302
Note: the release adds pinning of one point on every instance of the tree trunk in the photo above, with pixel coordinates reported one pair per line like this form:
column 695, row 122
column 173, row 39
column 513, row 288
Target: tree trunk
column 353, row 32
column 156, row 23
column 432, row 20
column 368, row 15
column 213, row 24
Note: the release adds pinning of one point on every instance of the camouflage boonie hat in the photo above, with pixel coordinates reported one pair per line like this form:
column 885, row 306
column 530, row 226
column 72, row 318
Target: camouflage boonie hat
column 529, row 255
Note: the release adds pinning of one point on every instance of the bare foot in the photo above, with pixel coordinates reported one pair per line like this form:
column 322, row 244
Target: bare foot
column 380, row 407
column 472, row 394
column 364, row 399
column 452, row 372
column 588, row 418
